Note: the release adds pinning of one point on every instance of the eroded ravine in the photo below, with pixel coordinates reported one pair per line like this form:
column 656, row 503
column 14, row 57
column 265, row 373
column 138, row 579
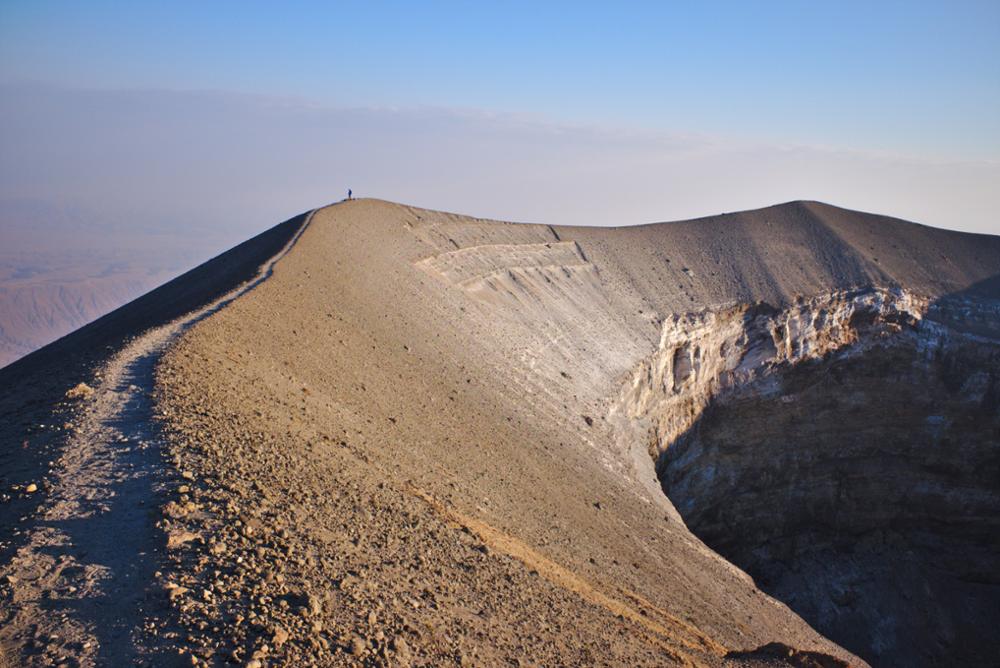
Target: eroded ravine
column 844, row 452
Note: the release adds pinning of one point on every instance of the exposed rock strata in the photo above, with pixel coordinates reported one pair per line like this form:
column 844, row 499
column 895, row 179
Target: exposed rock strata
column 844, row 451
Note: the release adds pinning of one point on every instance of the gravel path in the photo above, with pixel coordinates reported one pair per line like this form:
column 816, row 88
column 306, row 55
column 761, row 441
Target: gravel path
column 82, row 583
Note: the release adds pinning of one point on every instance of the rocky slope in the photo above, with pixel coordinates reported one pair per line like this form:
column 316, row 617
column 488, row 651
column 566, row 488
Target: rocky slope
column 842, row 450
column 426, row 439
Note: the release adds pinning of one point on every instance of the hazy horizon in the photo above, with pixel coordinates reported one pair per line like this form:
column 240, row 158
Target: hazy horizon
column 188, row 128
column 229, row 164
column 146, row 139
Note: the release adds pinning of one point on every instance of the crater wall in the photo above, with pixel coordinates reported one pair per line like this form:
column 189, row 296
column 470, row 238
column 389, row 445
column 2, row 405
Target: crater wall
column 845, row 452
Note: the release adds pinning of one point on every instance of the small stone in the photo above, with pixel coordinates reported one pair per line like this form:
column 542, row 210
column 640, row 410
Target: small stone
column 179, row 537
column 357, row 646
column 187, row 475
column 31, row 488
column 175, row 591
column 400, row 647
column 280, row 636
column 372, row 618
column 79, row 391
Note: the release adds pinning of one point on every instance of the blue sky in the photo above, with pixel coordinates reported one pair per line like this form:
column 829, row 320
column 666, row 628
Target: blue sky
column 553, row 112
column 907, row 76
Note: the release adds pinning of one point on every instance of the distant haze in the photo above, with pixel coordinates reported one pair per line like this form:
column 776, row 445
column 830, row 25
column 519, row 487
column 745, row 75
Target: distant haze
column 587, row 113
column 199, row 171
column 106, row 194
column 139, row 140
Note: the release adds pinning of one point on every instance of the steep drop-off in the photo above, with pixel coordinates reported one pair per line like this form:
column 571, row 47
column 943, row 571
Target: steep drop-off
column 845, row 451
column 842, row 446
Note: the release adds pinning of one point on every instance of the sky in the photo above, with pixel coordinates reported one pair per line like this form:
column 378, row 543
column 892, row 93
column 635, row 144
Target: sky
column 203, row 123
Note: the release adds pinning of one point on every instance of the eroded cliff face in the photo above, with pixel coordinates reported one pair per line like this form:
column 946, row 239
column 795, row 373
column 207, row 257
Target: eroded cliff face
column 844, row 451
column 707, row 354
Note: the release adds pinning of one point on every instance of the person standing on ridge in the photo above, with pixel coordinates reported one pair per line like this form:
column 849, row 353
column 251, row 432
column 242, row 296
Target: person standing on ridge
column 350, row 194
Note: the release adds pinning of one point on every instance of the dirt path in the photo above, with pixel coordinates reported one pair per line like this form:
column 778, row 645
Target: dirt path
column 82, row 582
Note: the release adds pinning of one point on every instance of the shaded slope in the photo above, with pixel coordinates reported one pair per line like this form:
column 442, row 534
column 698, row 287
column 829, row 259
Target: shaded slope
column 94, row 549
column 185, row 293
column 842, row 449
column 860, row 487
column 33, row 410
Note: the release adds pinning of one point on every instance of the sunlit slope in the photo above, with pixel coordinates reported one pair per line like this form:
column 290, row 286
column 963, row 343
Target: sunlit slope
column 405, row 368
